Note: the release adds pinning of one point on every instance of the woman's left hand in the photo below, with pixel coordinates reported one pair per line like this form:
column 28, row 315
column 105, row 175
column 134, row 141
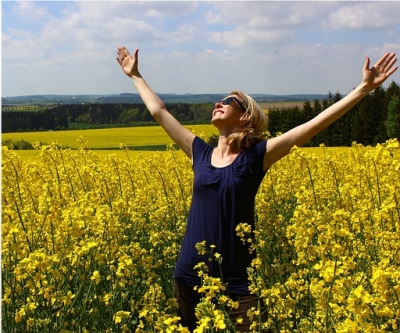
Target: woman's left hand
column 373, row 77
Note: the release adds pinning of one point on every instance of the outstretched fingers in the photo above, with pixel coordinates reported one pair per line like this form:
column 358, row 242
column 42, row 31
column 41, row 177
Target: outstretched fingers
column 389, row 66
column 119, row 55
column 122, row 52
column 382, row 60
column 385, row 64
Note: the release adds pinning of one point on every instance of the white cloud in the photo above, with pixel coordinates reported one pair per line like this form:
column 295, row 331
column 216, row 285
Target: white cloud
column 240, row 37
column 271, row 14
column 212, row 17
column 29, row 11
column 365, row 15
column 154, row 10
column 184, row 33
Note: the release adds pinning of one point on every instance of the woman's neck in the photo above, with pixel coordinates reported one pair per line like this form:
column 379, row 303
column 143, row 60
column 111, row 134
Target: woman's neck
column 226, row 147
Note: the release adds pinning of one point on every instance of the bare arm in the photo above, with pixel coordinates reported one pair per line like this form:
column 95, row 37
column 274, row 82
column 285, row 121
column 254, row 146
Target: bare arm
column 280, row 146
column 179, row 134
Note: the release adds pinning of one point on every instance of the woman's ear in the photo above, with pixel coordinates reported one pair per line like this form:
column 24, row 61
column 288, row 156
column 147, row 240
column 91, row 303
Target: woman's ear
column 245, row 117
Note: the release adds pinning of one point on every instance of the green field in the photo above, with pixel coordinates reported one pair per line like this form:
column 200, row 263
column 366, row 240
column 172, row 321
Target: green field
column 23, row 108
column 281, row 105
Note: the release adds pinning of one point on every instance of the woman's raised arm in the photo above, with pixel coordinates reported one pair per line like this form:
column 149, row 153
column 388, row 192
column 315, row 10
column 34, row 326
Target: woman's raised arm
column 179, row 134
column 372, row 78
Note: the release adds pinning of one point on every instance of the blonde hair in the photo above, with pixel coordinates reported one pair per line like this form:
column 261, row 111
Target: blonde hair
column 252, row 130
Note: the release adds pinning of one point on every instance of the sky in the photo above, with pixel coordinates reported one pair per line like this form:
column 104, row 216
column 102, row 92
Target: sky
column 259, row 47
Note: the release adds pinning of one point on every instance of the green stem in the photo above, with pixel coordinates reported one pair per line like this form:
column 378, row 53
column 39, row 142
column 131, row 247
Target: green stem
column 327, row 307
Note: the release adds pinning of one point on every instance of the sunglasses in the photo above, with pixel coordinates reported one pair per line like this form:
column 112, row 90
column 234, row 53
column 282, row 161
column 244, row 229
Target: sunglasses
column 229, row 100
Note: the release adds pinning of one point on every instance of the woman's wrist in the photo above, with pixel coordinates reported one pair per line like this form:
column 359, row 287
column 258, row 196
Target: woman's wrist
column 363, row 89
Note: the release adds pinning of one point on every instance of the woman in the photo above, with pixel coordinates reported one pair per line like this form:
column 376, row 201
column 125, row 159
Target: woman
column 226, row 178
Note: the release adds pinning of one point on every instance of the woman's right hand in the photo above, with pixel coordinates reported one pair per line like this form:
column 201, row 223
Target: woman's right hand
column 128, row 63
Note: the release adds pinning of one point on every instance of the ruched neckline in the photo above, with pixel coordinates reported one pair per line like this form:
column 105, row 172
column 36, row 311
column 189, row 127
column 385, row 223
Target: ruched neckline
column 240, row 167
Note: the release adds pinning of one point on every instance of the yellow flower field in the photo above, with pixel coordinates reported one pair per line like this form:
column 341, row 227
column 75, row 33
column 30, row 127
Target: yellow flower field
column 107, row 138
column 89, row 242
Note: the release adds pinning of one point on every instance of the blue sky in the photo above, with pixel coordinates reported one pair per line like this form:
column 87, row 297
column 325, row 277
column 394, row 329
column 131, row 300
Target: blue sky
column 67, row 47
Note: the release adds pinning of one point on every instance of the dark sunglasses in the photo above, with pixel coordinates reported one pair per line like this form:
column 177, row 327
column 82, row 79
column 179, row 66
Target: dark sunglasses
column 229, row 100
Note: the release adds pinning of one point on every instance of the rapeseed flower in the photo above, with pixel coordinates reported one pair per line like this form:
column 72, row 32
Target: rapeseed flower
column 89, row 244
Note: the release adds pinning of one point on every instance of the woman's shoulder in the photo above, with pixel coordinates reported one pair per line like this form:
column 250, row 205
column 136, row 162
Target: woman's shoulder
column 199, row 142
column 258, row 148
column 200, row 146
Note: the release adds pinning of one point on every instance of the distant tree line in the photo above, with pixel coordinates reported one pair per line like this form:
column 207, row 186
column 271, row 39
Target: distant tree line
column 373, row 120
column 59, row 117
column 21, row 121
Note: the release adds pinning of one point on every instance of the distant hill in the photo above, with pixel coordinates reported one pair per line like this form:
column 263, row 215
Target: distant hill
column 135, row 98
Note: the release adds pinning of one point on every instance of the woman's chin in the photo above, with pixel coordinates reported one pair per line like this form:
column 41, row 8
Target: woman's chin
column 215, row 120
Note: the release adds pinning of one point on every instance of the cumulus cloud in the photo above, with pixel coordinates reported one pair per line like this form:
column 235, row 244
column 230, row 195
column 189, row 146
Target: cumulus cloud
column 364, row 16
column 29, row 11
column 243, row 36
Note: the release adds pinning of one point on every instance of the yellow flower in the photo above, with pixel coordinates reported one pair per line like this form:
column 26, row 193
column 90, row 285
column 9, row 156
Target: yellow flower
column 384, row 311
column 348, row 326
column 30, row 322
column 201, row 247
column 19, row 315
column 107, row 297
column 96, row 277
column 120, row 315
column 67, row 299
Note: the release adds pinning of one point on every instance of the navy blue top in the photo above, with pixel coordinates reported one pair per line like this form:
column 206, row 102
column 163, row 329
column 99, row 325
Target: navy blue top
column 223, row 197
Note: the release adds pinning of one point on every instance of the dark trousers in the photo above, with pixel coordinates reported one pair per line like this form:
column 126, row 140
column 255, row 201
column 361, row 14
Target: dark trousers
column 188, row 299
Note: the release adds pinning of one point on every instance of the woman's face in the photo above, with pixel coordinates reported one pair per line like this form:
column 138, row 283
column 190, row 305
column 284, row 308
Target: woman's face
column 229, row 109
column 227, row 112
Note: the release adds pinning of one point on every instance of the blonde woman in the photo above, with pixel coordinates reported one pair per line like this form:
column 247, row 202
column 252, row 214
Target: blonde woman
column 227, row 177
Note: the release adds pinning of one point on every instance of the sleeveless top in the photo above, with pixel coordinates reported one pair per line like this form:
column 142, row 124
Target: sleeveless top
column 223, row 197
